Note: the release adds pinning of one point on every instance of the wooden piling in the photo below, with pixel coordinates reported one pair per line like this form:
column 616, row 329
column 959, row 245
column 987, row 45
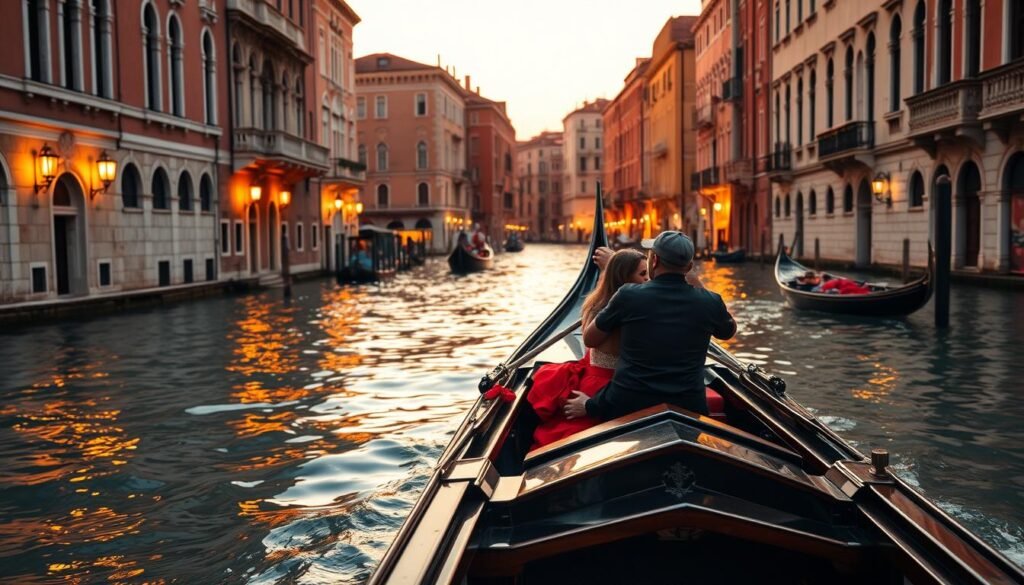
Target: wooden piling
column 906, row 259
column 817, row 254
column 943, row 248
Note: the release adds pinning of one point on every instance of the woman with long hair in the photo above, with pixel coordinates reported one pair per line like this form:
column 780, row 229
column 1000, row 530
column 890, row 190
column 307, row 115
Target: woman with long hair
column 553, row 384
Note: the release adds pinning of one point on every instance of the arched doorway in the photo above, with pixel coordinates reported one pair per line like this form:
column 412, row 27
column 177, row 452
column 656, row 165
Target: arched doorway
column 273, row 231
column 254, row 240
column 863, row 224
column 1013, row 213
column 69, row 236
column 968, row 217
column 798, row 246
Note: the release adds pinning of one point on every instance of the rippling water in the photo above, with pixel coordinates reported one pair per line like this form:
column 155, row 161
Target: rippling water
column 250, row 440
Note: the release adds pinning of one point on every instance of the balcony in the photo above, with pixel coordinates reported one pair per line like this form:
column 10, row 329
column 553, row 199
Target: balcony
column 1002, row 93
column 254, row 146
column 732, row 89
column 346, row 171
column 779, row 164
column 849, row 144
column 262, row 17
column 709, row 177
column 739, row 171
column 695, row 181
column 704, row 116
column 945, row 112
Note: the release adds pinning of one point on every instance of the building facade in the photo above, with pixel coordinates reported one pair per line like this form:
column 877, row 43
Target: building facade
column 496, row 204
column 583, row 133
column 881, row 109
column 112, row 146
column 539, row 172
column 411, row 136
column 668, row 131
column 269, row 206
column 623, row 154
column 340, row 189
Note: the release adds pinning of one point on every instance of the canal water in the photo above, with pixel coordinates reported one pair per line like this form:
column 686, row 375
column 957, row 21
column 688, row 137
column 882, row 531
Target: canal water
column 252, row 440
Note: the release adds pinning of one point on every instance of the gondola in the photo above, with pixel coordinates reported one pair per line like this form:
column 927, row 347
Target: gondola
column 463, row 261
column 759, row 492
column 514, row 244
column 882, row 301
column 735, row 257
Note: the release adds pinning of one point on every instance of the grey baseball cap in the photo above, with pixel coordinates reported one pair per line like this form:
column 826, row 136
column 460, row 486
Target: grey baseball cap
column 672, row 247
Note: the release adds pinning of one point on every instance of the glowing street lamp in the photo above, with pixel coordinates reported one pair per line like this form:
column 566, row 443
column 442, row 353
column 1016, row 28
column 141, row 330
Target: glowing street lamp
column 255, row 192
column 286, row 198
column 880, row 189
column 47, row 167
column 337, row 202
column 106, row 168
column 718, row 206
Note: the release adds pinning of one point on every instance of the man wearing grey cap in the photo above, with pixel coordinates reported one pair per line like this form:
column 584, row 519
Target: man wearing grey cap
column 665, row 327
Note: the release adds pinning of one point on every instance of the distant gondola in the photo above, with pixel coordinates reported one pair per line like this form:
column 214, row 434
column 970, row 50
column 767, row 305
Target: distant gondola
column 514, row 244
column 761, row 492
column 735, row 257
column 462, row 261
column 882, row 301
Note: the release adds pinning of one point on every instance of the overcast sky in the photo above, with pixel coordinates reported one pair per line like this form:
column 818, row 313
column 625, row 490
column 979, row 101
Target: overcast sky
column 542, row 57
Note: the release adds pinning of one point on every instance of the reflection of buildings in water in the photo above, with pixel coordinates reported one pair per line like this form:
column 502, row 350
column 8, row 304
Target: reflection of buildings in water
column 264, row 337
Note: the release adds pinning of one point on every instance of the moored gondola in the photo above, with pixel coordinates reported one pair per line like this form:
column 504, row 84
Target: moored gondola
column 464, row 261
column 759, row 492
column 881, row 301
column 735, row 257
column 514, row 244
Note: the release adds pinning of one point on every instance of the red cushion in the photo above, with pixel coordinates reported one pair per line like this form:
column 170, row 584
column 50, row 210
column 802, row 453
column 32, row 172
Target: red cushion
column 716, row 404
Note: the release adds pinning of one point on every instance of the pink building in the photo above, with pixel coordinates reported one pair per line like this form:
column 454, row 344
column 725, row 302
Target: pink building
column 623, row 154
column 495, row 204
column 411, row 136
column 139, row 83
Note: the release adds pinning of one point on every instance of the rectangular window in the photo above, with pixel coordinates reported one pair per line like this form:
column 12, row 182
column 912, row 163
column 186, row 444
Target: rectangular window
column 597, row 163
column 474, row 118
column 39, row 278
column 225, row 237
column 361, row 108
column 597, row 143
column 421, row 104
column 211, row 273
column 298, row 237
column 239, row 244
column 323, row 54
column 104, row 273
column 583, row 142
column 315, row 235
column 187, row 271
column 474, row 145
column 382, row 107
column 583, row 186
column 163, row 269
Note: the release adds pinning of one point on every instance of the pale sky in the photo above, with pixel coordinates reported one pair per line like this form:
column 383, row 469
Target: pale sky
column 542, row 57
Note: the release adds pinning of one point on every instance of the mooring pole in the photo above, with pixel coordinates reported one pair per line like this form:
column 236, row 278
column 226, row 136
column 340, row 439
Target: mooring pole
column 817, row 255
column 906, row 259
column 943, row 245
column 285, row 263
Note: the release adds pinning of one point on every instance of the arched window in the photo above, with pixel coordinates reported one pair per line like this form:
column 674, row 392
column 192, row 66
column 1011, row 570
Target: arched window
column 830, row 202
column 254, row 96
column 37, row 36
column 974, row 37
column 161, row 190
column 423, row 195
column 944, row 42
column 830, row 109
column 101, row 79
column 269, row 96
column 175, row 48
column 382, row 196
column 786, row 205
column 812, row 203
column 131, row 185
column 918, row 33
column 299, row 121
column 209, row 79
column 778, row 122
column 185, row 191
column 286, row 110
column 362, row 154
column 869, row 83
column 151, row 55
column 421, row 155
column 238, row 75
column 71, row 43
column 789, row 119
column 382, row 157
column 895, row 32
column 205, row 193
column 812, row 109
column 778, row 206
column 800, row 111
column 848, row 199
column 787, row 17
column 848, row 77
column 916, row 190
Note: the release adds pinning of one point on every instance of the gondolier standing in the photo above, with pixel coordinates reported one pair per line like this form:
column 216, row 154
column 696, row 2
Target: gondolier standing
column 665, row 327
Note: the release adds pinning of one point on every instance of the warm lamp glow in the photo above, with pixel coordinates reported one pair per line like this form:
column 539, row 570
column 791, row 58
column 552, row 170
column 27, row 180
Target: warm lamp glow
column 718, row 206
column 703, row 210
column 286, row 197
column 337, row 202
column 359, row 208
column 47, row 163
column 880, row 188
column 106, row 167
column 255, row 192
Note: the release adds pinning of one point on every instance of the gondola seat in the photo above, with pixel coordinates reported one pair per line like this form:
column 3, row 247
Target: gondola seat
column 716, row 405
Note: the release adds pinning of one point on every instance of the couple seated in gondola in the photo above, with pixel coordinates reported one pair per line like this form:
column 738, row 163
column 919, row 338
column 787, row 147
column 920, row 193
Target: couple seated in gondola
column 825, row 283
column 647, row 325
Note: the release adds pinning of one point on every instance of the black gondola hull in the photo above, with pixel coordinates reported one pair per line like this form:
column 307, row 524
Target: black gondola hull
column 734, row 257
column 890, row 302
column 462, row 261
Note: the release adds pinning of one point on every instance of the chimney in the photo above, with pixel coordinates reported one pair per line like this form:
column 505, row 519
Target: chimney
column 478, row 90
column 468, row 86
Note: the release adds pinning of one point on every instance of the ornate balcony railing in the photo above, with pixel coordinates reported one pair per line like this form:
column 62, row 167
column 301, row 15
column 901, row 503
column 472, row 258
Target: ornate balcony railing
column 739, row 171
column 849, row 136
column 1003, row 90
column 348, row 170
column 260, row 13
column 945, row 107
column 704, row 116
column 276, row 144
column 710, row 177
column 781, row 158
